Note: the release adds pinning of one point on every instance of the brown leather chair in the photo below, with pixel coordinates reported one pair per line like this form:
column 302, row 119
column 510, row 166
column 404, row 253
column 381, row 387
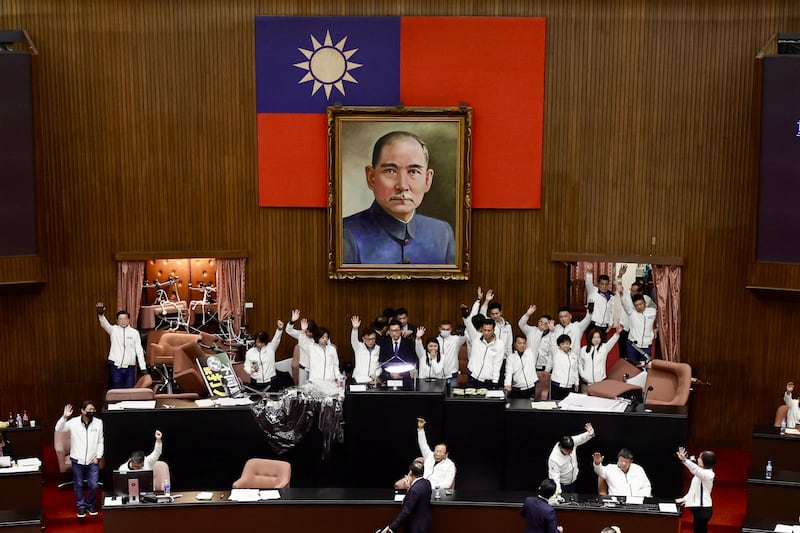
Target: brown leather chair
column 780, row 414
column 463, row 360
column 671, row 383
column 160, row 475
column 264, row 474
column 186, row 373
column 61, row 443
column 614, row 386
column 602, row 486
column 136, row 393
column 147, row 381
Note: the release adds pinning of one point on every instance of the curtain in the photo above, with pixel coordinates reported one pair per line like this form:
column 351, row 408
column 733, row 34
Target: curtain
column 667, row 280
column 130, row 277
column 230, row 291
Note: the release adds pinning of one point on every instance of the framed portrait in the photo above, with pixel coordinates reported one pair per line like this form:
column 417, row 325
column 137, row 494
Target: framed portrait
column 399, row 192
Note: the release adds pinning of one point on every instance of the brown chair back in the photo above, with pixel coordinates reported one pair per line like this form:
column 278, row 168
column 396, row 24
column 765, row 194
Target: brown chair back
column 160, row 475
column 264, row 474
column 119, row 395
column 671, row 383
column 62, row 443
column 620, row 368
column 602, row 486
column 780, row 414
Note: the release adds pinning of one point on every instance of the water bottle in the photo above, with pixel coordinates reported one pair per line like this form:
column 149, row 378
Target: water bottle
column 19, row 420
column 783, row 426
column 166, row 487
column 768, row 472
column 437, row 493
column 25, row 419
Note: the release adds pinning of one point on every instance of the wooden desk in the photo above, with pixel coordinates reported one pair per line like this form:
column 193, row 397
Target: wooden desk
column 770, row 445
column 776, row 499
column 339, row 510
column 20, row 491
column 27, row 441
column 21, row 521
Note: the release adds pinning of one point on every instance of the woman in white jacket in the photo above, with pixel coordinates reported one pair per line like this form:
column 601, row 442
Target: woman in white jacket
column 698, row 499
column 592, row 363
column 429, row 356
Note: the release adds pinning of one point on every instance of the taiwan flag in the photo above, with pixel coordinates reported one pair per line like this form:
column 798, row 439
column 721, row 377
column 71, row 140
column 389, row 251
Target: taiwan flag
column 494, row 65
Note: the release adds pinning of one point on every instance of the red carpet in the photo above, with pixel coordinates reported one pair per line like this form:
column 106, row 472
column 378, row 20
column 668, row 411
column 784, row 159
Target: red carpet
column 730, row 497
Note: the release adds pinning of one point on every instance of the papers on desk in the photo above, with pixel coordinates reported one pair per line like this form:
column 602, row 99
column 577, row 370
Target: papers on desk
column 496, row 394
column 132, row 404
column 230, row 402
column 787, row 528
column 544, row 406
column 110, row 501
column 31, row 461
column 399, row 497
column 792, row 431
column 634, row 500
column 358, row 388
column 205, row 402
column 253, row 495
column 582, row 402
column 667, row 507
column 23, row 465
column 204, row 496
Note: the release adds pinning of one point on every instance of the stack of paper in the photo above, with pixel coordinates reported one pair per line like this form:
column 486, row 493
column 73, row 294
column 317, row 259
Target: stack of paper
column 786, row 528
column 244, row 495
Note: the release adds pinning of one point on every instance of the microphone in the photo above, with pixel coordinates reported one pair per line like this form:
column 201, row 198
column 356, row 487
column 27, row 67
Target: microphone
column 646, row 393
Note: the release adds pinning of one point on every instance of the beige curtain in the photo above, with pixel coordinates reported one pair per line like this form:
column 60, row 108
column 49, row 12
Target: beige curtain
column 130, row 277
column 667, row 280
column 230, row 290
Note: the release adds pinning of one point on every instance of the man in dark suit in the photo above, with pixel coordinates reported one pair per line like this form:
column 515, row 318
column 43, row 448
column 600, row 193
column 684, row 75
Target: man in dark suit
column 540, row 517
column 416, row 511
column 395, row 346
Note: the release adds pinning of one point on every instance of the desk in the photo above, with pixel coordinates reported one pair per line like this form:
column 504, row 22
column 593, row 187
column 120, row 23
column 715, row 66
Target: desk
column 770, row 445
column 21, row 521
column 652, row 437
column 350, row 510
column 775, row 499
column 27, row 441
column 20, row 491
column 752, row 525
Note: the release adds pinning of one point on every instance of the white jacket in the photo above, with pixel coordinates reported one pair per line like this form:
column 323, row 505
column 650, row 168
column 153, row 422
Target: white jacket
column 441, row 474
column 521, row 370
column 450, row 347
column 366, row 360
column 634, row 483
column 149, row 460
column 565, row 365
column 640, row 325
column 323, row 361
column 603, row 311
column 563, row 469
column 592, row 363
column 538, row 342
column 86, row 442
column 432, row 369
column 260, row 364
column 126, row 345
column 793, row 411
column 702, row 483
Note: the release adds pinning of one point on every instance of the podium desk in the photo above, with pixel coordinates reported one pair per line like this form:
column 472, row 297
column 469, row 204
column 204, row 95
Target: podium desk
column 341, row 510
column 770, row 445
column 20, row 491
column 21, row 521
column 26, row 441
column 775, row 499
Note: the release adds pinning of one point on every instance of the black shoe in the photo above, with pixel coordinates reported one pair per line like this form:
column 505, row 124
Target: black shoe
column 81, row 512
column 92, row 511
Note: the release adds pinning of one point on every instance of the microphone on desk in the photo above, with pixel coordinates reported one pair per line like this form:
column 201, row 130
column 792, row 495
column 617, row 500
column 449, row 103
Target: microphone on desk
column 641, row 408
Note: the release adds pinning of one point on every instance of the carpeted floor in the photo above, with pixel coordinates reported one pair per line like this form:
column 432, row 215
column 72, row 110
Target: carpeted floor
column 730, row 498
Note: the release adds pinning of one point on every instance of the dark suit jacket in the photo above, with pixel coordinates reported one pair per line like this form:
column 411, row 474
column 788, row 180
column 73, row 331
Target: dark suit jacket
column 416, row 511
column 405, row 351
column 540, row 517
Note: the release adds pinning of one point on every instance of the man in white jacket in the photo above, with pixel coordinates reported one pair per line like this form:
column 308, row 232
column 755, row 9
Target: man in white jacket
column 439, row 469
column 125, row 350
column 366, row 353
column 562, row 465
column 85, row 452
column 140, row 461
column 624, row 478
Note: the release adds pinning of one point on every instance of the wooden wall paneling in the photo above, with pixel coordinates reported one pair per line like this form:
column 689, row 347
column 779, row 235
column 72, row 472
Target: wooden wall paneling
column 148, row 142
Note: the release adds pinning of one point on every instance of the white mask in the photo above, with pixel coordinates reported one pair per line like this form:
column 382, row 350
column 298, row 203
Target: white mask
column 444, row 333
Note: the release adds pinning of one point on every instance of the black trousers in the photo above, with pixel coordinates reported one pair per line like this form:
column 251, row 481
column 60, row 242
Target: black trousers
column 701, row 517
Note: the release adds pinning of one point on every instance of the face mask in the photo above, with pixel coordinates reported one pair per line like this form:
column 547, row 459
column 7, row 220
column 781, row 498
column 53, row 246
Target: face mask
column 444, row 333
column 90, row 415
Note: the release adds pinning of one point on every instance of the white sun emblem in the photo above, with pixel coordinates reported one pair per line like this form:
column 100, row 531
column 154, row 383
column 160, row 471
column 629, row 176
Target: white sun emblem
column 328, row 65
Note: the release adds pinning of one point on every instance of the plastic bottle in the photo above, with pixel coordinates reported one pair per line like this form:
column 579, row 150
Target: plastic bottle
column 10, row 419
column 19, row 420
column 768, row 472
column 166, row 487
column 26, row 421
column 783, row 426
column 437, row 492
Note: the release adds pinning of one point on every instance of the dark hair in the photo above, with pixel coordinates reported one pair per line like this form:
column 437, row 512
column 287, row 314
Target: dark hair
column 494, row 305
column 312, row 326
column 446, row 447
column 487, row 322
column 262, row 337
column 436, row 340
column 369, row 332
column 85, row 404
column 566, row 443
column 416, row 468
column 546, row 317
column 380, row 322
column 603, row 277
column 320, row 332
column 589, row 336
column 137, row 457
column 123, row 312
column 520, row 336
column 637, row 297
column 445, row 323
column 547, row 488
column 563, row 338
column 625, row 453
column 477, row 321
column 395, row 322
column 391, row 136
column 709, row 459
column 400, row 311
column 563, row 308
column 389, row 312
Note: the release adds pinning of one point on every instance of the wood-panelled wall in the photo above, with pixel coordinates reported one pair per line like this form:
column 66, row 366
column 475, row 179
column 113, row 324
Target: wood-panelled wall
column 147, row 137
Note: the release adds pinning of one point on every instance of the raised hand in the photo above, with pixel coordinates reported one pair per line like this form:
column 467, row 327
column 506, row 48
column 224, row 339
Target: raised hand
column 355, row 321
column 420, row 331
column 681, row 454
column 589, row 268
column 101, row 308
column 304, row 324
column 531, row 310
column 597, row 458
column 420, row 423
column 158, row 435
column 789, row 387
column 489, row 295
column 295, row 315
column 589, row 428
column 280, row 324
column 551, row 325
column 68, row 410
column 480, row 293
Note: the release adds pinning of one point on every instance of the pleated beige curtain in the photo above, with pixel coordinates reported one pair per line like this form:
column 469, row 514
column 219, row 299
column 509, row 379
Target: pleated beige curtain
column 130, row 277
column 230, row 291
column 667, row 280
